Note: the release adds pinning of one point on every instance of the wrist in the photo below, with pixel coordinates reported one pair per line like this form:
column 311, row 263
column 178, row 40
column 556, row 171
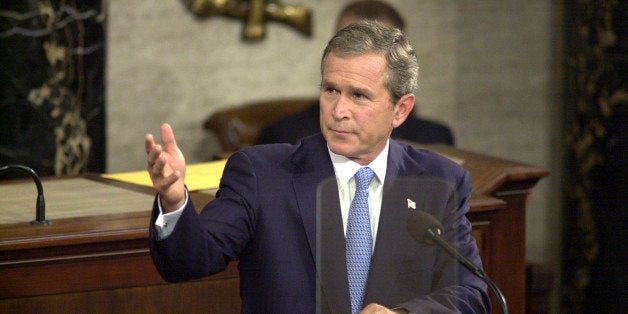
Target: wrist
column 168, row 206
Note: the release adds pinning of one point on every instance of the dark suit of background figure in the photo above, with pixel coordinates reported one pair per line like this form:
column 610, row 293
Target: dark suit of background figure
column 264, row 215
column 305, row 123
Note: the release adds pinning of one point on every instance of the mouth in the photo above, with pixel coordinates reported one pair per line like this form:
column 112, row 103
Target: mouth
column 339, row 131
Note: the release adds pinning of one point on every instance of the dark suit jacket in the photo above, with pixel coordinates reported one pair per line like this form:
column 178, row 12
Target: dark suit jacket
column 305, row 123
column 265, row 216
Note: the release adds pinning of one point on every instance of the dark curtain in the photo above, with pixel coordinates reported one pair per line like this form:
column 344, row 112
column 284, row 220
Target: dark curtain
column 595, row 279
column 51, row 85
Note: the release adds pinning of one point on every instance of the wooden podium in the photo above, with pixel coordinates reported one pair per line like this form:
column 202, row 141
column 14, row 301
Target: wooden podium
column 99, row 261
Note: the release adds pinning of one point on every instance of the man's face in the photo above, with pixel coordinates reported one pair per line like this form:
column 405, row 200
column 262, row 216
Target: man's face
column 357, row 116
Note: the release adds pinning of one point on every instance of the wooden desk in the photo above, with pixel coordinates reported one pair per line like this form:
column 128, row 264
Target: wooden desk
column 101, row 263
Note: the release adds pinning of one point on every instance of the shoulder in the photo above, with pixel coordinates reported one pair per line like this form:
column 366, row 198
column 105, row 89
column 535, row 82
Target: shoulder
column 425, row 162
column 264, row 154
column 424, row 165
column 269, row 157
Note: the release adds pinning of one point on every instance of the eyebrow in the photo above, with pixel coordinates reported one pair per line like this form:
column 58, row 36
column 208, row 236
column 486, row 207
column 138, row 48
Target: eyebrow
column 325, row 83
column 361, row 91
column 352, row 89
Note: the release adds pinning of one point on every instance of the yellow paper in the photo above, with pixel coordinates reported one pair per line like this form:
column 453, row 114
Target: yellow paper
column 201, row 176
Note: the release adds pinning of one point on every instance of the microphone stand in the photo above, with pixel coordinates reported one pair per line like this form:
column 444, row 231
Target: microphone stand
column 40, row 209
column 434, row 235
column 425, row 228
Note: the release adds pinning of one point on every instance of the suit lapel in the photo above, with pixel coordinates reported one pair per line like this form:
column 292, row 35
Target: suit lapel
column 313, row 171
column 310, row 166
column 399, row 187
column 331, row 259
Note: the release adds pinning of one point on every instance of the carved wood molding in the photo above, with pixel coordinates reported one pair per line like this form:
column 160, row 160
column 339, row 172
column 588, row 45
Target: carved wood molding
column 255, row 13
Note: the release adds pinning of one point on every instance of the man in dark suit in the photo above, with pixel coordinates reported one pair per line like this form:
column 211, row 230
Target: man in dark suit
column 285, row 228
column 304, row 123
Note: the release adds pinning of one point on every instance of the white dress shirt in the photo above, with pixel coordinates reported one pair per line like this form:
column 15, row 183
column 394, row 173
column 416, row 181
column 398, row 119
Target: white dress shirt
column 345, row 170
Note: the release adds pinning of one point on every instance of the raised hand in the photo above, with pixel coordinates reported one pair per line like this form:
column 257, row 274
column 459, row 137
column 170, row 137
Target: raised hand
column 166, row 167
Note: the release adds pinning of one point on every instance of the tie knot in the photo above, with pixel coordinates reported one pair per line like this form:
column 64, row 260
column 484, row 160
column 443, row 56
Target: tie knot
column 363, row 177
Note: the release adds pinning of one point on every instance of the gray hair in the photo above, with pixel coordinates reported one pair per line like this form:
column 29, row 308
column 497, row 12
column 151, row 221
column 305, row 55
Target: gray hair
column 366, row 37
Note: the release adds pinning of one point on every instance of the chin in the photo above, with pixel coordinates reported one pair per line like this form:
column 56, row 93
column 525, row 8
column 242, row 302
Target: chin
column 343, row 149
column 340, row 143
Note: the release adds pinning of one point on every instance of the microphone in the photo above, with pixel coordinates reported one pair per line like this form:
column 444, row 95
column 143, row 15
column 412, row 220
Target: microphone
column 40, row 207
column 425, row 228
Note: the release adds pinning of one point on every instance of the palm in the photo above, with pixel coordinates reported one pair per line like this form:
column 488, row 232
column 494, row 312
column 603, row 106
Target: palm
column 166, row 167
column 175, row 161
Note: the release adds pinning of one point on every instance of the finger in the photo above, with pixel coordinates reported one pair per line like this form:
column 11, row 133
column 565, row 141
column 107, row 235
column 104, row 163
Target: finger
column 168, row 139
column 154, row 154
column 171, row 179
column 375, row 308
column 149, row 142
column 159, row 164
column 165, row 183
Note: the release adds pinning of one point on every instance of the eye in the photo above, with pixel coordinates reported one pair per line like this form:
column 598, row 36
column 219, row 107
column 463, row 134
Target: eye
column 331, row 90
column 359, row 95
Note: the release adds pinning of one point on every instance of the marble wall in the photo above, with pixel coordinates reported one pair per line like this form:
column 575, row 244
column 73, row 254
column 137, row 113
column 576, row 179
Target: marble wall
column 51, row 86
column 489, row 69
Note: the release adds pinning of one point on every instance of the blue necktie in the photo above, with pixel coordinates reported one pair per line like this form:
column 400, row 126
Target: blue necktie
column 359, row 242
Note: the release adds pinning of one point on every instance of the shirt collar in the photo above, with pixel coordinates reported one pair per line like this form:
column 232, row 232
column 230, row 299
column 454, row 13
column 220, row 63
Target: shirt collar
column 346, row 168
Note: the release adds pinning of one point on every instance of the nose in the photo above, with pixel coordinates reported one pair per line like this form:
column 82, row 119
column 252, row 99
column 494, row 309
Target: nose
column 340, row 108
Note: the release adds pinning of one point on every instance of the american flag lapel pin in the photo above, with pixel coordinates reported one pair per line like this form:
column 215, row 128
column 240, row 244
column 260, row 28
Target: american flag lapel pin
column 411, row 204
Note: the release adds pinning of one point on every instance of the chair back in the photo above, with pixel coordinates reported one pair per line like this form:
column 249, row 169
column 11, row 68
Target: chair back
column 241, row 126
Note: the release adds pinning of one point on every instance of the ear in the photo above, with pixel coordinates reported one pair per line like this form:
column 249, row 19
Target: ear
column 403, row 108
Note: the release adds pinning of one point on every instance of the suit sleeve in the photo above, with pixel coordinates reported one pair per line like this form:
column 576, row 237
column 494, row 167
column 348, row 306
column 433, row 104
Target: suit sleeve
column 204, row 244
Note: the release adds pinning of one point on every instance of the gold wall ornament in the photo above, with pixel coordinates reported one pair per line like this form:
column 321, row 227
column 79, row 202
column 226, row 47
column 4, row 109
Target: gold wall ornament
column 255, row 13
